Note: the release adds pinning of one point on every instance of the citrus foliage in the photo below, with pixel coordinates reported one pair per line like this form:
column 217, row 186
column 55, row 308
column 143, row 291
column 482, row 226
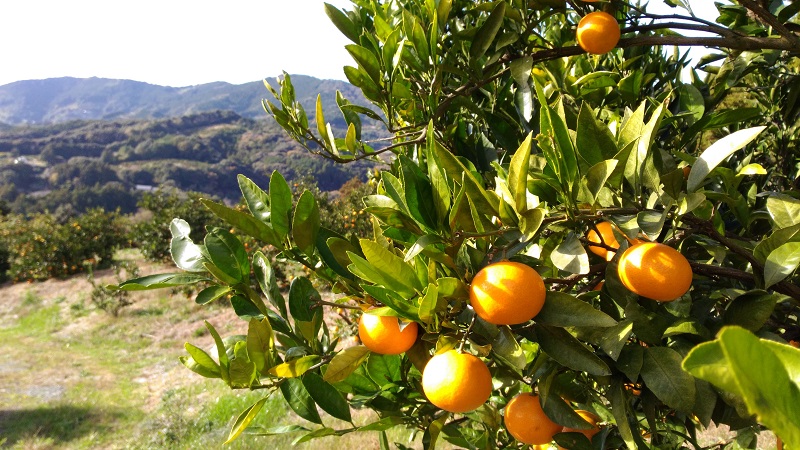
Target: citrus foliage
column 41, row 247
column 511, row 144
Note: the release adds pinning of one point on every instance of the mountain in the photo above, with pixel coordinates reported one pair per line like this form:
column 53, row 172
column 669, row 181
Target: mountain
column 57, row 100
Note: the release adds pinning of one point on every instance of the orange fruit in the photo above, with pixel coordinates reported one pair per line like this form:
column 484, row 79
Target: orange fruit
column 655, row 271
column 382, row 334
column 526, row 421
column 507, row 293
column 456, row 382
column 598, row 32
column 589, row 417
column 606, row 237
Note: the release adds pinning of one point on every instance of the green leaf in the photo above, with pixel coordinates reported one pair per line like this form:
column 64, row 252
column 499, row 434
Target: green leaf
column 228, row 254
column 260, row 343
column 784, row 210
column 620, row 408
column 756, row 374
column 775, row 240
column 202, row 358
column 296, row 367
column 570, row 255
column 717, row 152
column 751, row 309
column 159, row 281
column 242, row 370
column 518, row 174
column 203, row 371
column 383, row 424
column 186, row 254
column 384, row 369
column 568, row 351
column 244, row 420
column 781, row 263
column 304, row 300
column 244, row 222
column 387, row 269
column 342, row 22
column 367, row 61
column 210, row 294
column 256, row 199
column 298, row 398
column 245, row 308
column 305, row 224
column 345, row 362
column 327, row 397
column 690, row 99
column 661, row 372
column 280, row 198
column 224, row 362
column 487, row 32
column 564, row 310
column 595, row 143
column 598, row 175
column 265, row 277
column 506, row 348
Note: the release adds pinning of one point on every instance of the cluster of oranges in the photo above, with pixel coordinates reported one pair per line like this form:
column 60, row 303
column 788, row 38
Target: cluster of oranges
column 508, row 293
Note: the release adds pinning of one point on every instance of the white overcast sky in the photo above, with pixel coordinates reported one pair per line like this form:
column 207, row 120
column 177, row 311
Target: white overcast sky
column 179, row 42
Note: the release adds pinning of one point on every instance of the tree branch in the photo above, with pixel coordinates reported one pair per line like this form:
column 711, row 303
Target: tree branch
column 770, row 20
column 786, row 288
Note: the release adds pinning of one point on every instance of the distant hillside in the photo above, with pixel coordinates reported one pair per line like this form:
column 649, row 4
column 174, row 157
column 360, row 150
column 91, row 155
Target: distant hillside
column 84, row 164
column 57, row 100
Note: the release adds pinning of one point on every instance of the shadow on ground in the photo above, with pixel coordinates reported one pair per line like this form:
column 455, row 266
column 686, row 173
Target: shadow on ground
column 61, row 424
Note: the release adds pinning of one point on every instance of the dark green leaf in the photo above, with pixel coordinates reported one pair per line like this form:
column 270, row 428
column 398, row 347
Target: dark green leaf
column 384, row 369
column 751, row 309
column 298, row 398
column 568, row 351
column 327, row 397
column 228, row 254
column 305, row 224
column 244, row 222
column 342, row 22
column 244, row 308
column 210, row 294
column 304, row 300
column 280, row 198
column 159, row 281
column 486, row 33
column 265, row 277
column 661, row 372
column 564, row 310
column 256, row 199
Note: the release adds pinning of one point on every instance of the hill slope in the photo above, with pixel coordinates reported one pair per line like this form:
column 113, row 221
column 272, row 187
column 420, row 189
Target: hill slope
column 63, row 99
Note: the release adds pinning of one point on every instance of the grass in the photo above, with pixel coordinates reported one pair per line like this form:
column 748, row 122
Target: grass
column 74, row 377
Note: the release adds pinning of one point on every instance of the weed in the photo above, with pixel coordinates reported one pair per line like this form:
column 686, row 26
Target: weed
column 112, row 301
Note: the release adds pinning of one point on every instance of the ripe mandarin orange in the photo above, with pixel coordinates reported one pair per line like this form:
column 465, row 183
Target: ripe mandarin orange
column 598, row 32
column 382, row 334
column 607, row 234
column 456, row 382
column 507, row 293
column 655, row 271
column 526, row 421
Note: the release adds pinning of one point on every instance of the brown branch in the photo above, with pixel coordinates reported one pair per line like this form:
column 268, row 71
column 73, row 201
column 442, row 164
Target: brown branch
column 727, row 32
column 770, row 20
column 790, row 289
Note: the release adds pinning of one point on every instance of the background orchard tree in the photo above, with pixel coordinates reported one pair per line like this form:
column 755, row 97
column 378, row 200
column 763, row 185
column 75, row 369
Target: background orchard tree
column 509, row 142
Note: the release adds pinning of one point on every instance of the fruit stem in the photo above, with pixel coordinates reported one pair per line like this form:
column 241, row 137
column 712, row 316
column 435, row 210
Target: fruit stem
column 466, row 334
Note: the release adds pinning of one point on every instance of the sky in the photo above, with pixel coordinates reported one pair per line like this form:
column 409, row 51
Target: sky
column 179, row 42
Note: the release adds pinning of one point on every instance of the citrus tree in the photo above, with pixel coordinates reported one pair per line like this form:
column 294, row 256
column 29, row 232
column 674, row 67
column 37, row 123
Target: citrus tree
column 571, row 244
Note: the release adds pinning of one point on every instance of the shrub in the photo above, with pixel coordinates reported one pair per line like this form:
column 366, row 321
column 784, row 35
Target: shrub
column 40, row 247
column 152, row 235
